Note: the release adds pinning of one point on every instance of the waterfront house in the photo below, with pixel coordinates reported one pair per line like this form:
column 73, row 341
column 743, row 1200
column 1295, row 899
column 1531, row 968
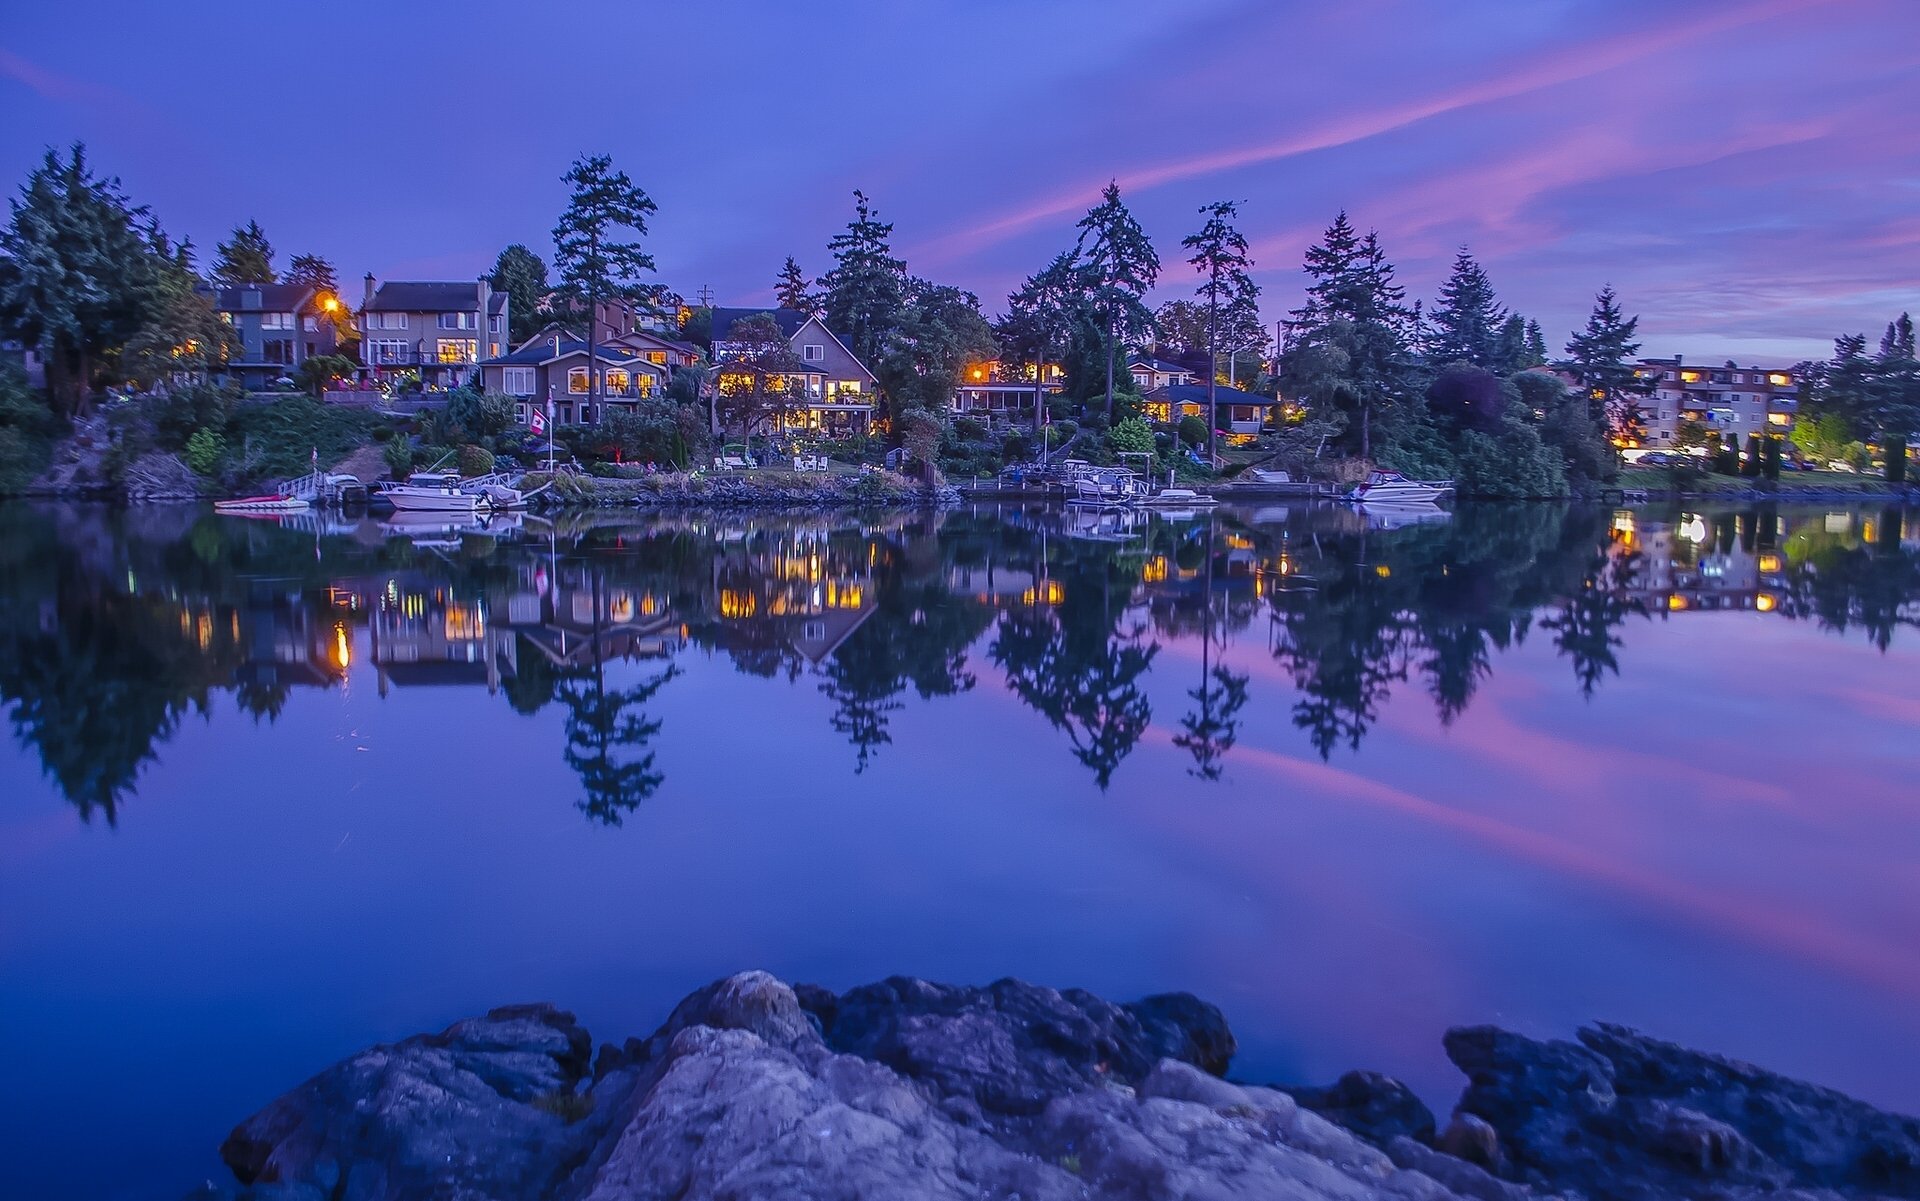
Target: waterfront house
column 1150, row 373
column 1002, row 394
column 430, row 333
column 837, row 392
column 556, row 370
column 1240, row 414
column 1730, row 400
column 276, row 327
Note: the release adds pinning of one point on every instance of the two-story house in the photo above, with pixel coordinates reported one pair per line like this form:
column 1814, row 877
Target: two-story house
column 1001, row 393
column 276, row 327
column 838, row 392
column 1241, row 415
column 1150, row 373
column 556, row 370
column 435, row 332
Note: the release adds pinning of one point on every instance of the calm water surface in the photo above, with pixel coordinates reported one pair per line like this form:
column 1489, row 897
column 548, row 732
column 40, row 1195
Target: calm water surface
column 276, row 792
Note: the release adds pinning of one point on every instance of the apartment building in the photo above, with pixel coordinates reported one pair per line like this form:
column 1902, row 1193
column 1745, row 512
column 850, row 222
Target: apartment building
column 1731, row 400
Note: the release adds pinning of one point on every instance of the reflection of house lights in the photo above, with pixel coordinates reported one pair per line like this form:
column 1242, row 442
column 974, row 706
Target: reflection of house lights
column 1383, row 571
column 1765, row 602
column 1693, row 528
column 342, row 649
column 1769, row 562
column 1676, row 601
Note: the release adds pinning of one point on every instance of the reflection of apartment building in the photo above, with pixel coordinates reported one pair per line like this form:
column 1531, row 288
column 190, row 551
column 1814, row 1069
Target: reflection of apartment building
column 436, row 331
column 1729, row 400
column 1705, row 563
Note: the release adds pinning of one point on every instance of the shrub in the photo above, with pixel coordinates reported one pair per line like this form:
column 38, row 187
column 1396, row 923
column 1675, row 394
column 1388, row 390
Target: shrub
column 1132, row 435
column 1193, row 431
column 399, row 455
column 1513, row 464
column 204, row 451
column 475, row 460
column 186, row 410
column 480, row 414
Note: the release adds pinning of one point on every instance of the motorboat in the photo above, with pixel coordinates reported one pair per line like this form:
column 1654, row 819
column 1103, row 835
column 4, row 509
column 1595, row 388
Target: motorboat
column 272, row 502
column 1180, row 498
column 433, row 492
column 1392, row 488
column 1107, row 486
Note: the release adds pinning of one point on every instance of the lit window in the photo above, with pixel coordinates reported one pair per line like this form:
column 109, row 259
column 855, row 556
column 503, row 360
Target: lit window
column 617, row 380
column 577, row 380
column 458, row 350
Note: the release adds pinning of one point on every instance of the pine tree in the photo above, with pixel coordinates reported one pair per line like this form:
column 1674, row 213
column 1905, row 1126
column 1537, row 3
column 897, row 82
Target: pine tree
column 793, row 290
column 1467, row 318
column 1601, row 358
column 1512, row 354
column 1231, row 297
column 594, row 262
column 1119, row 264
column 522, row 275
column 245, row 258
column 1348, row 347
column 77, row 277
column 1894, row 395
column 867, row 285
column 1536, row 345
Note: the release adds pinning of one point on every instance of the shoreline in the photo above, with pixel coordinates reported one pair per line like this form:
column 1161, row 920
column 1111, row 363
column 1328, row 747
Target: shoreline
column 908, row 1088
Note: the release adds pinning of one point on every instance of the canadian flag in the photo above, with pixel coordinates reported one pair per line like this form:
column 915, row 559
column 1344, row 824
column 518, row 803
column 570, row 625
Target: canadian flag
column 537, row 422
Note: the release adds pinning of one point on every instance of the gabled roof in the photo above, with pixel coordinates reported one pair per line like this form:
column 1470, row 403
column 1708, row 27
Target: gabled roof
column 536, row 354
column 647, row 335
column 258, row 298
column 789, row 320
column 431, row 296
column 1196, row 394
column 837, row 341
column 1159, row 365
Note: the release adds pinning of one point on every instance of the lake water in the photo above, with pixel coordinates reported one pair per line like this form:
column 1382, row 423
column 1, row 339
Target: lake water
column 275, row 792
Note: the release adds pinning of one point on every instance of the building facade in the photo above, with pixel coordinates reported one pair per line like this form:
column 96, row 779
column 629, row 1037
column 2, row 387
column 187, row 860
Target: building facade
column 431, row 333
column 1729, row 400
column 276, row 327
column 837, row 391
column 557, row 371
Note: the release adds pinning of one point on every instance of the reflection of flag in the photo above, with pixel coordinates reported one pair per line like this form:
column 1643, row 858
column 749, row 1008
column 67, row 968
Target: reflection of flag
column 537, row 423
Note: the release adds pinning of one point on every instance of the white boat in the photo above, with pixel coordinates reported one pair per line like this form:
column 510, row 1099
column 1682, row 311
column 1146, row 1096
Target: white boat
column 1263, row 475
column 1107, row 486
column 272, row 502
column 433, row 492
column 1180, row 498
column 1392, row 488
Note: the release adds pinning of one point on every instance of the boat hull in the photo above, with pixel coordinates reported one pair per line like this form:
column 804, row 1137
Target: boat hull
column 261, row 504
column 432, row 502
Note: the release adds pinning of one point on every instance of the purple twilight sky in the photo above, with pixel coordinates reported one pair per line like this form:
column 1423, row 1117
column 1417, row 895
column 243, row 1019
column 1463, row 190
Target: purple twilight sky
column 1745, row 172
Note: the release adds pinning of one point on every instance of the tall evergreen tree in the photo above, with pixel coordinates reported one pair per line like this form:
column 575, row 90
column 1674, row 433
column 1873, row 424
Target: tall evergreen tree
column 1535, row 345
column 77, row 276
column 1347, row 349
column 1601, row 358
column 1119, row 264
column 522, row 275
column 1894, row 395
column 594, row 261
column 245, row 258
column 867, row 285
column 1040, row 316
column 1231, row 297
column 793, row 290
column 312, row 271
column 1466, row 320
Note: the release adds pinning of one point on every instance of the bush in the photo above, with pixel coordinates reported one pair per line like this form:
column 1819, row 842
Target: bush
column 1193, row 431
column 204, row 451
column 26, row 430
column 1131, row 435
column 480, row 414
column 399, row 455
column 475, row 460
column 1513, row 464
column 185, row 411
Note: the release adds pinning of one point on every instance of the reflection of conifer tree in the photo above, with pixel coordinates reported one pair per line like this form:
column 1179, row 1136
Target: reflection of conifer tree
column 531, row 686
column 1586, row 629
column 1080, row 669
column 260, row 699
column 1208, row 732
column 607, row 737
column 1873, row 584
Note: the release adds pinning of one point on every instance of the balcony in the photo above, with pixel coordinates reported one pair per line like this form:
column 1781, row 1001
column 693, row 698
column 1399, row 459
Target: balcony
column 380, row 356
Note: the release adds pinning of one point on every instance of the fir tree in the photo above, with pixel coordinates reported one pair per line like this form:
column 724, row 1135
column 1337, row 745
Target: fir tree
column 793, row 290
column 1347, row 348
column 1515, row 353
column 867, row 285
column 312, row 271
column 1467, row 318
column 522, row 275
column 595, row 263
column 1893, row 395
column 1119, row 265
column 1231, row 297
column 77, row 277
column 1601, row 358
column 1536, row 345
column 245, row 258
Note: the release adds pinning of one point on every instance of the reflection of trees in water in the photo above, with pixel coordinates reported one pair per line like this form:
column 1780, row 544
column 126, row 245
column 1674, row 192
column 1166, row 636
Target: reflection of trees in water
column 114, row 628
column 1081, row 664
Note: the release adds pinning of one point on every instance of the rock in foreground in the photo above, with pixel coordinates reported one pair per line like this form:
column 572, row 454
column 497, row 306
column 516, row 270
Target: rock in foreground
column 752, row 1088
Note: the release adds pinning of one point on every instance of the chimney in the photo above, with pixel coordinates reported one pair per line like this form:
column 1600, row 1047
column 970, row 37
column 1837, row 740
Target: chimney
column 485, row 332
column 366, row 297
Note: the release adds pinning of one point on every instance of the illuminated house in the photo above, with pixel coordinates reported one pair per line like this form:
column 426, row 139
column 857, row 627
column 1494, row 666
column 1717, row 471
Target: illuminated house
column 436, row 331
column 1002, row 393
column 277, row 326
column 837, row 390
column 1150, row 373
column 1729, row 400
column 557, row 371
column 1239, row 414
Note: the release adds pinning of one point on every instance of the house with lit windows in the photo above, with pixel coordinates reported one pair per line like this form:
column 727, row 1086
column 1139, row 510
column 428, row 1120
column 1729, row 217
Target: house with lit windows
column 276, row 327
column 430, row 332
column 1239, row 414
column 837, row 391
column 1729, row 400
column 556, row 368
column 1149, row 373
column 1000, row 393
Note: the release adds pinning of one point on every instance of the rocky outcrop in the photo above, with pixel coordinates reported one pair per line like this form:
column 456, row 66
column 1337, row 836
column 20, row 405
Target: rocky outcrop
column 752, row 1088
